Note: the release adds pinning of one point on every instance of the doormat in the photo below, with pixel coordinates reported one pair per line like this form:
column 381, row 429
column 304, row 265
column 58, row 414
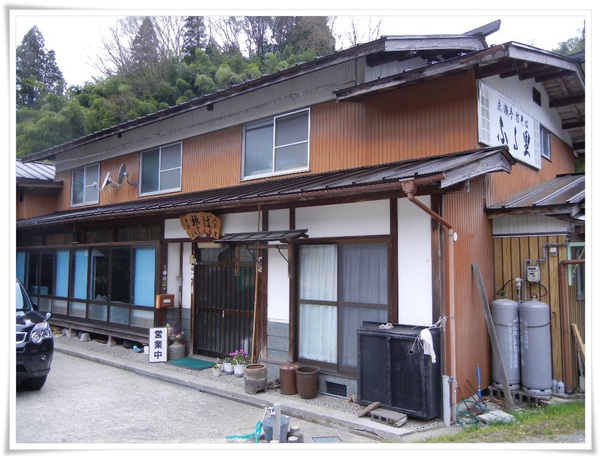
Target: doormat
column 192, row 363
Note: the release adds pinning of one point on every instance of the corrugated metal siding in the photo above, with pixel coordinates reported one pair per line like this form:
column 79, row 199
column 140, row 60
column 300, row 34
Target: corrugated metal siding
column 523, row 177
column 35, row 203
column 529, row 224
column 435, row 117
column 213, row 160
column 464, row 210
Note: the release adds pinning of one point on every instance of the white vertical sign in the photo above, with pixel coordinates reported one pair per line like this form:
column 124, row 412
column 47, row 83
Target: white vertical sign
column 501, row 122
column 157, row 348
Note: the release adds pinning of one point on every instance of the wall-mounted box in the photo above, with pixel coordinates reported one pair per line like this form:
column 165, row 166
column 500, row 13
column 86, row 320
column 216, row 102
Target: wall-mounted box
column 165, row 300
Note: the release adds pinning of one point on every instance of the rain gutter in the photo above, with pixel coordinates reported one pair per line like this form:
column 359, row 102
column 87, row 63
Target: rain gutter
column 410, row 188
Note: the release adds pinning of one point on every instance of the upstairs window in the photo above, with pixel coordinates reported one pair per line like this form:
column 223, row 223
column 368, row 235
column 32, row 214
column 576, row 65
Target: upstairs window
column 277, row 146
column 546, row 144
column 161, row 170
column 84, row 187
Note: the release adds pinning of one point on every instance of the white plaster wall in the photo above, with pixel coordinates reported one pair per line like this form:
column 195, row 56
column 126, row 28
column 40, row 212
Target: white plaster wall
column 187, row 276
column 240, row 222
column 279, row 220
column 279, row 282
column 279, row 287
column 174, row 230
column 174, row 270
column 343, row 220
column 179, row 270
column 414, row 264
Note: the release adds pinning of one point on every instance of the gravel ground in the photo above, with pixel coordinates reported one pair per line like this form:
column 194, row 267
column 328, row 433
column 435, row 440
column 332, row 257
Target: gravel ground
column 324, row 409
column 412, row 431
column 228, row 381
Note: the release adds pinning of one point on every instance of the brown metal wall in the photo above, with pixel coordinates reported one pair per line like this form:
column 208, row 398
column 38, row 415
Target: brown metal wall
column 523, row 177
column 464, row 210
column 432, row 118
column 35, row 203
column 213, row 160
column 510, row 254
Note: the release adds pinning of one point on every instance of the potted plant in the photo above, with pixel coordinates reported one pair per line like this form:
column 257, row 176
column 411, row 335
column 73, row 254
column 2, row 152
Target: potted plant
column 228, row 366
column 217, row 368
column 240, row 359
column 175, row 333
column 176, row 349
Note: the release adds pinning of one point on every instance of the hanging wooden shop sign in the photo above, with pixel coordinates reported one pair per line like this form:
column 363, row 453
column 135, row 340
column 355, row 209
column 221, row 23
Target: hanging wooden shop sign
column 201, row 224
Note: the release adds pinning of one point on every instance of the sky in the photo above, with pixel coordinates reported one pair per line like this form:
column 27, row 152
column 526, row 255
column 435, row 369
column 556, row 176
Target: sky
column 75, row 34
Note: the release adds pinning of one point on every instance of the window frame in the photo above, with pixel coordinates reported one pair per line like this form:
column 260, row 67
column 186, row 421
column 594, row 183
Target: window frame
column 158, row 172
column 94, row 183
column 341, row 304
column 272, row 123
column 545, row 143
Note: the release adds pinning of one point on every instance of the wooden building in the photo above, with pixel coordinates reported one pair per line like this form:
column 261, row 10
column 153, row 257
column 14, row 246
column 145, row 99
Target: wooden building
column 284, row 212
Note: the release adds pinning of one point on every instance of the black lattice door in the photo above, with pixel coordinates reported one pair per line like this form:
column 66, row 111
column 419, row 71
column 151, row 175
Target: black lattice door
column 224, row 296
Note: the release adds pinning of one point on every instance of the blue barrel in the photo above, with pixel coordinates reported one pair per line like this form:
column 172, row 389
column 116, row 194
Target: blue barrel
column 536, row 348
column 505, row 315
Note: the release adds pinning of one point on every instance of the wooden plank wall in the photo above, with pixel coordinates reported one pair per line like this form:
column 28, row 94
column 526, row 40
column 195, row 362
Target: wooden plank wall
column 510, row 255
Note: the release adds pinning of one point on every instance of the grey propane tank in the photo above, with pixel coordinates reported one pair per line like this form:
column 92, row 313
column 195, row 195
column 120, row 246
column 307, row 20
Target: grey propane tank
column 505, row 315
column 536, row 351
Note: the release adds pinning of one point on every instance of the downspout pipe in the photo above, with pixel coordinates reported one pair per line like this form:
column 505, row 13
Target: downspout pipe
column 410, row 188
column 565, row 326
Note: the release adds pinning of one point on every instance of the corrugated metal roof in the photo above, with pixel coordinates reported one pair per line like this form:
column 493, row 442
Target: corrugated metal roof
column 563, row 195
column 264, row 236
column 440, row 171
column 34, row 171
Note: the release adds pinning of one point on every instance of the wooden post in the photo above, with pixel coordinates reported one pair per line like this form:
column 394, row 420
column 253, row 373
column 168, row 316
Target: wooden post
column 493, row 337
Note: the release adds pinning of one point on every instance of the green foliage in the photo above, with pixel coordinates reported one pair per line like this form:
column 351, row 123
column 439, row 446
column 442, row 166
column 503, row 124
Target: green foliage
column 37, row 72
column 572, row 45
column 531, row 425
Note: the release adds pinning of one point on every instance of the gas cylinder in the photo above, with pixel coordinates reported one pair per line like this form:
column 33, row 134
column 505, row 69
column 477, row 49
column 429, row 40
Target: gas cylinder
column 505, row 315
column 536, row 348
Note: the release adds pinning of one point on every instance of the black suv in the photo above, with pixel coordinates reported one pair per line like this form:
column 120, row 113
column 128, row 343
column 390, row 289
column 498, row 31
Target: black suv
column 35, row 344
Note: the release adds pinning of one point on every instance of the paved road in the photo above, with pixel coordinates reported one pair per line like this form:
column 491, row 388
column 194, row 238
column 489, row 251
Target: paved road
column 85, row 402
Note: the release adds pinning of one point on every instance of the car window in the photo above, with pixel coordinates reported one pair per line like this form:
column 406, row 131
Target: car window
column 21, row 299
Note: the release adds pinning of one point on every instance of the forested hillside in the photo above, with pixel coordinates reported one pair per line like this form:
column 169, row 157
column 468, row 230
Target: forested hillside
column 151, row 63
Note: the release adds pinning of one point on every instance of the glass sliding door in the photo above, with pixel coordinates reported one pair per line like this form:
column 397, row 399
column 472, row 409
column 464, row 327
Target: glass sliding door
column 339, row 287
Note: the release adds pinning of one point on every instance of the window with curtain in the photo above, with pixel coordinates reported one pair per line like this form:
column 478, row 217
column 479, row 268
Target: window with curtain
column 340, row 287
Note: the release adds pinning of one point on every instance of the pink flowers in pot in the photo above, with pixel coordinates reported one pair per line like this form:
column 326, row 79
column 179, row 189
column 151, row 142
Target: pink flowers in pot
column 239, row 357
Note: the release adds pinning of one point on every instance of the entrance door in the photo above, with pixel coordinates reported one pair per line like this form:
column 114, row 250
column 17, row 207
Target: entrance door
column 224, row 309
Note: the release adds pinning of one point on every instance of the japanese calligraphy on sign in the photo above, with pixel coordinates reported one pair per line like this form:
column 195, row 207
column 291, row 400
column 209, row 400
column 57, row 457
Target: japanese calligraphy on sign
column 501, row 122
column 201, row 224
column 157, row 345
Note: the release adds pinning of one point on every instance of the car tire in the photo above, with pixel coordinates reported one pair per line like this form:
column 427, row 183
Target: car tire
column 33, row 384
